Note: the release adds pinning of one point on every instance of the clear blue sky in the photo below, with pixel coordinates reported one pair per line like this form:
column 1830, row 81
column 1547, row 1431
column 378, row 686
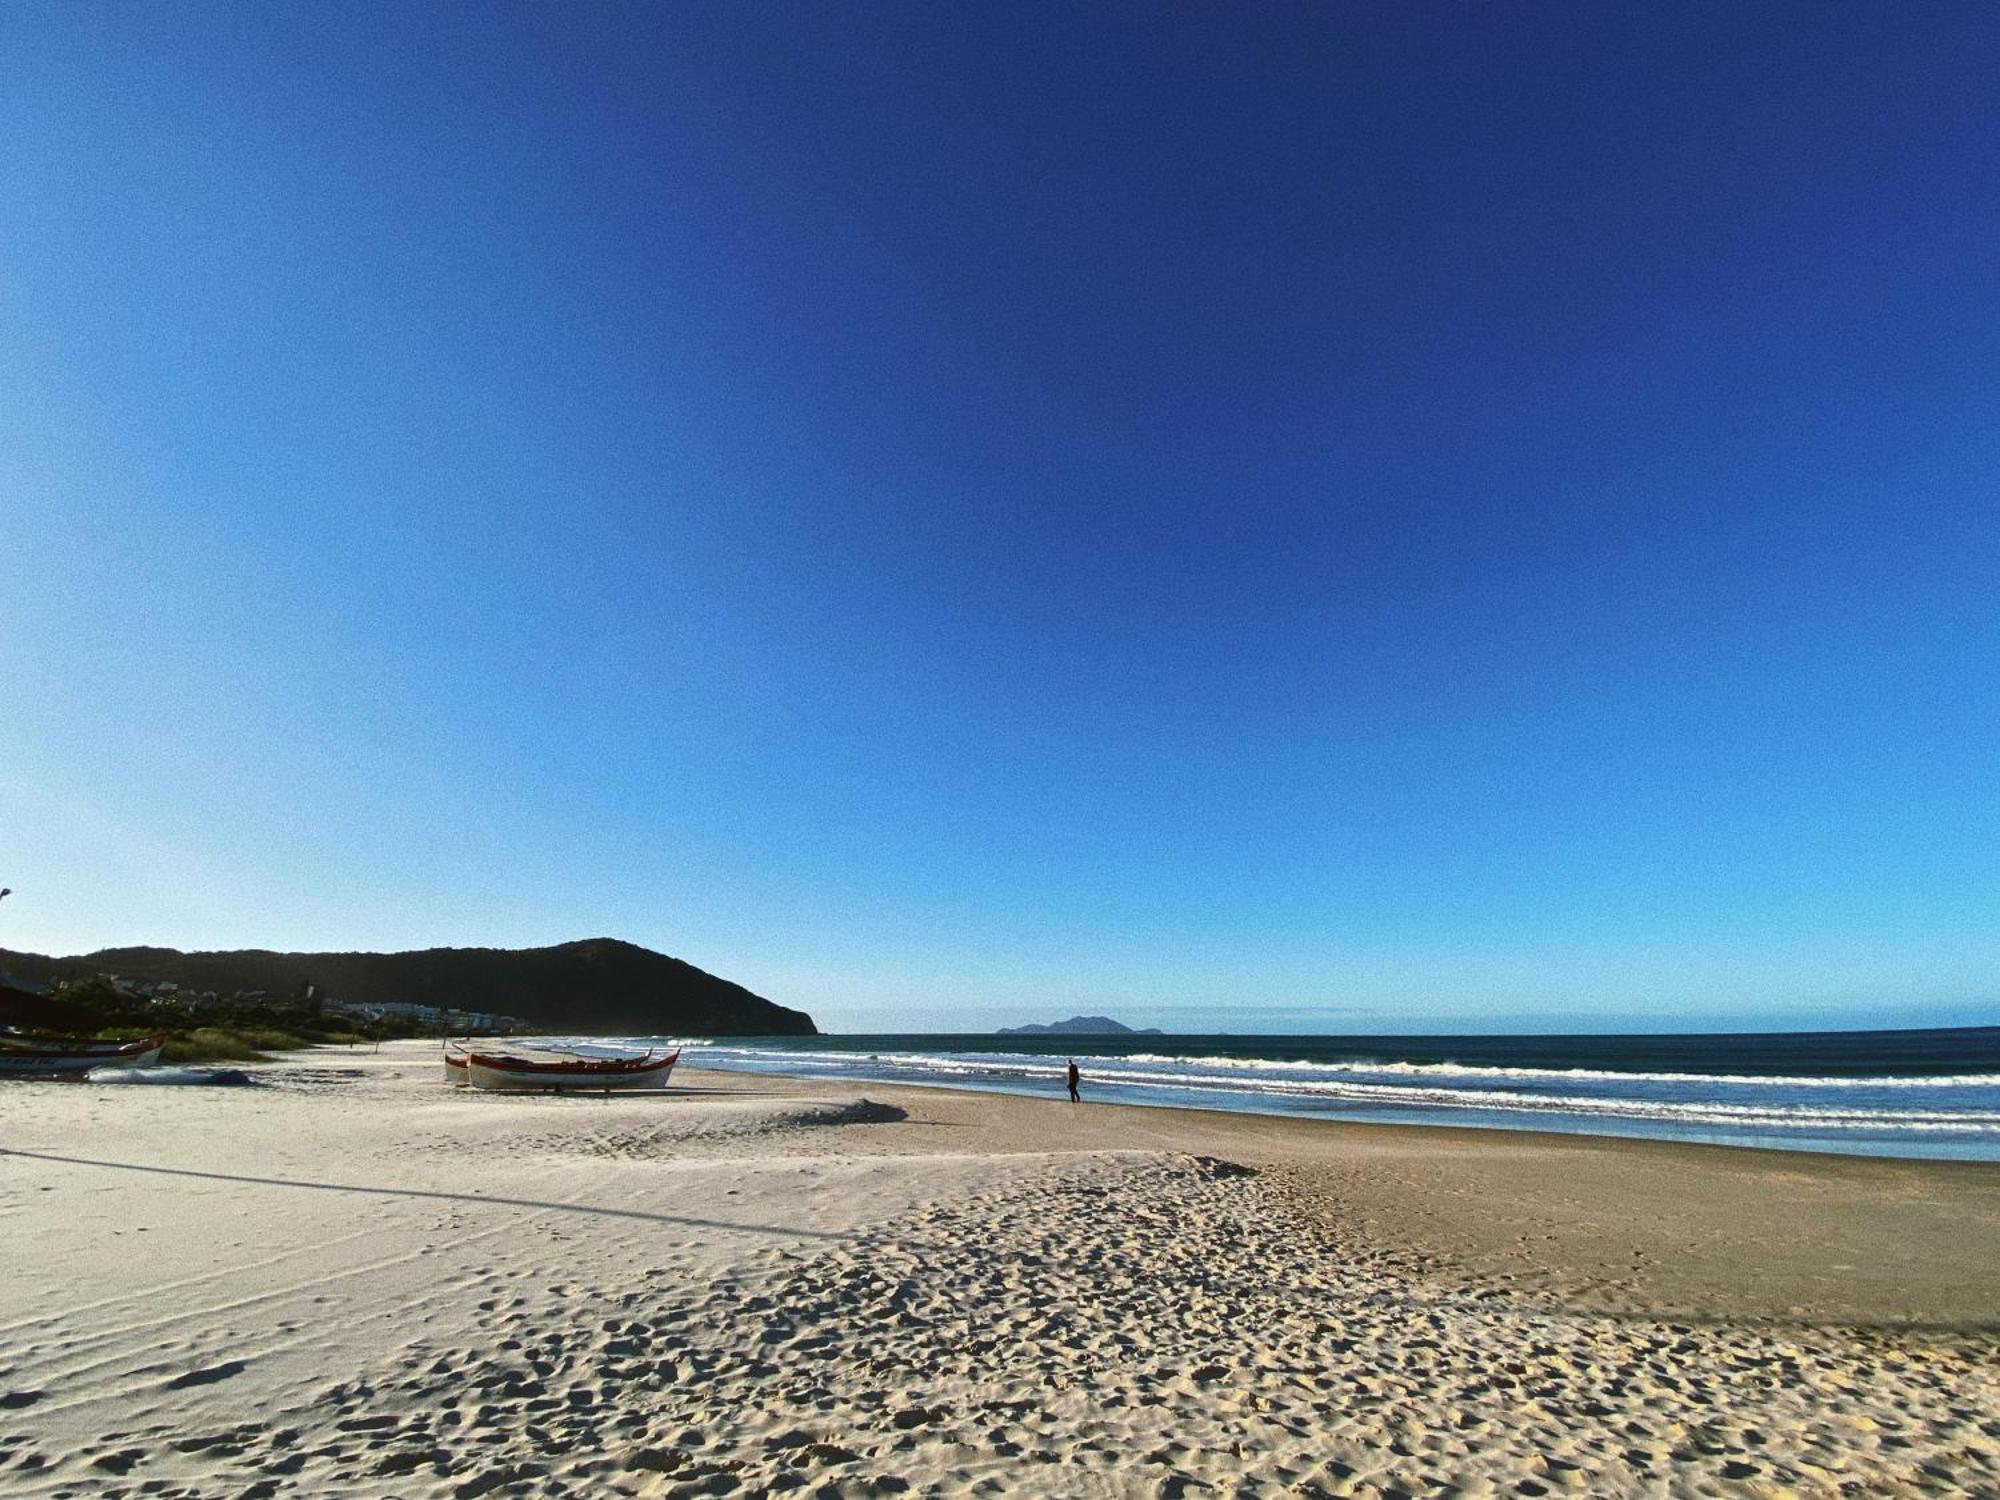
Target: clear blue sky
column 1372, row 517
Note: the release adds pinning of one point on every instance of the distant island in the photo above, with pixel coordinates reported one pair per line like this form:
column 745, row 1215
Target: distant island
column 1080, row 1026
column 596, row 986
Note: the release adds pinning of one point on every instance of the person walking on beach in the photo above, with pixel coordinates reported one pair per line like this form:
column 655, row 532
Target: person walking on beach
column 1074, row 1076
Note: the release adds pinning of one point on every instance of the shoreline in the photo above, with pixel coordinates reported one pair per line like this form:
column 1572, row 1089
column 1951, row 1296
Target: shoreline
column 1924, row 1102
column 1348, row 1122
column 1490, row 1134
column 1981, row 1172
column 352, row 1279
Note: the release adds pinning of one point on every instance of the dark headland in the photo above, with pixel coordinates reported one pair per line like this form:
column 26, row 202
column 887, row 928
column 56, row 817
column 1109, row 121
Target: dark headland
column 596, row 986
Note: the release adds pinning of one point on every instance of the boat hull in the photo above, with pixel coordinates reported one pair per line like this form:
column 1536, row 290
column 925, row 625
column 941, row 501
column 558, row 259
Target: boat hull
column 48, row 1060
column 576, row 1075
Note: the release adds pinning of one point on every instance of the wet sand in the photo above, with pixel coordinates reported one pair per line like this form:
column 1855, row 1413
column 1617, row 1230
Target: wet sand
column 352, row 1280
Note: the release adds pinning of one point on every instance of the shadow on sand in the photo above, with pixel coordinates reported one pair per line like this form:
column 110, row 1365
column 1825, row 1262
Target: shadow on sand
column 394, row 1192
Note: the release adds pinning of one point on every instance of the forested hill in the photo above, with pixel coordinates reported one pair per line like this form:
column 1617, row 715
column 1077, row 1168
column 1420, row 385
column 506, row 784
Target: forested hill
column 599, row 985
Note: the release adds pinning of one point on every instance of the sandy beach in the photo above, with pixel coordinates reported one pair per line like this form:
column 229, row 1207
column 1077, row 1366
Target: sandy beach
column 350, row 1279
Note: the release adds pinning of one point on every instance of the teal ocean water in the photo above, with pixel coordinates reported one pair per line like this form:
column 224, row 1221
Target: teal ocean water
column 1933, row 1094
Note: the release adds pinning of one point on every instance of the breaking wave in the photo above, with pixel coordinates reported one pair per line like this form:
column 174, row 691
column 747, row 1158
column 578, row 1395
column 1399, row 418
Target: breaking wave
column 1884, row 1114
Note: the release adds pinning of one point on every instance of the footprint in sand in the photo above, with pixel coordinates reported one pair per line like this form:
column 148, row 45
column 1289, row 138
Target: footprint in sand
column 208, row 1376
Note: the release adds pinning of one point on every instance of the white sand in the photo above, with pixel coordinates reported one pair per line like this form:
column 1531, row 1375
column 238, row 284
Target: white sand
column 352, row 1280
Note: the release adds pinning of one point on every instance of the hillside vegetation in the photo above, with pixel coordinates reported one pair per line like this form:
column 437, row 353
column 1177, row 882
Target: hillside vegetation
column 600, row 985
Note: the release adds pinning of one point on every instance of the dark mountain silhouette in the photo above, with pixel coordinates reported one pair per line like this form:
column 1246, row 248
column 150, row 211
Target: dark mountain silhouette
column 599, row 985
column 1079, row 1026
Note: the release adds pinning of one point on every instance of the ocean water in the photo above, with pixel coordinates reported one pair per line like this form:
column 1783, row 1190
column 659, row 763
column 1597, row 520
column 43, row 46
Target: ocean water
column 1930, row 1094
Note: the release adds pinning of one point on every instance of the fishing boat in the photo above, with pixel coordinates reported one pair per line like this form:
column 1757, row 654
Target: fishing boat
column 41, row 1057
column 95, row 1046
column 507, row 1070
column 458, row 1072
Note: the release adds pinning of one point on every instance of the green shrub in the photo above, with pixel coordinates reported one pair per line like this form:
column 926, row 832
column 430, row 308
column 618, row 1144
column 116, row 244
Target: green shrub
column 218, row 1044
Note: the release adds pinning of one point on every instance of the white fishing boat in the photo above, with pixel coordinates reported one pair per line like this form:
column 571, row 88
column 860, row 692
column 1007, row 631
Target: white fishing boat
column 457, row 1057
column 34, row 1057
column 517, row 1071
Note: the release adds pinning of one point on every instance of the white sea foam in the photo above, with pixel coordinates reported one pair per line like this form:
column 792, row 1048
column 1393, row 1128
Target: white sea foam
column 1825, row 1104
column 1582, row 1075
column 1276, row 1070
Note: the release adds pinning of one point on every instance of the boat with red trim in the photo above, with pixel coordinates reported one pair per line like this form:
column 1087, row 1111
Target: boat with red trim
column 516, row 1071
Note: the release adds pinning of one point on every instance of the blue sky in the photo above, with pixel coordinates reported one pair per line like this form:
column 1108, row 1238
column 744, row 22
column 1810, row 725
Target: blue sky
column 1246, row 517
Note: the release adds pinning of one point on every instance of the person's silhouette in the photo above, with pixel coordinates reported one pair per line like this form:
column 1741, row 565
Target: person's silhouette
column 1074, row 1096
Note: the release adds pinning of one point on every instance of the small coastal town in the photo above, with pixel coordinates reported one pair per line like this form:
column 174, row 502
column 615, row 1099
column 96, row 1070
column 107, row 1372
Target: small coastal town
column 237, row 1006
column 162, row 1020
column 172, row 1003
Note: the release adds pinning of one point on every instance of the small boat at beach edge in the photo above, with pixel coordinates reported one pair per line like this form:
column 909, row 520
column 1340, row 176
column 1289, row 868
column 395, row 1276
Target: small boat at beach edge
column 521, row 1070
column 40, row 1057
